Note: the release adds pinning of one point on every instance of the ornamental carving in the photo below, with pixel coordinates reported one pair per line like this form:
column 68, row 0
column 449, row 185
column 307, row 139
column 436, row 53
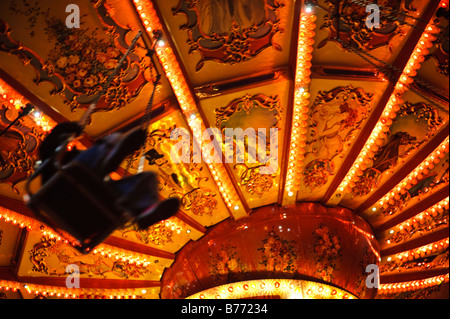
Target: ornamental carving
column 255, row 183
column 251, row 112
column 18, row 149
column 346, row 20
column 82, row 59
column 335, row 115
column 414, row 125
column 230, row 31
column 158, row 234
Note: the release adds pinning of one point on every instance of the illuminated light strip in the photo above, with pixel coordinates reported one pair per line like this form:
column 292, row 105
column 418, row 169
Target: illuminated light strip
column 424, row 250
column 174, row 74
column 432, row 211
column 71, row 293
column 284, row 288
column 416, row 175
column 301, row 103
column 378, row 134
column 26, row 222
column 103, row 249
column 412, row 285
column 16, row 100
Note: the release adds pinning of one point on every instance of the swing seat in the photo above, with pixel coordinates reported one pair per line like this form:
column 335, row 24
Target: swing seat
column 78, row 205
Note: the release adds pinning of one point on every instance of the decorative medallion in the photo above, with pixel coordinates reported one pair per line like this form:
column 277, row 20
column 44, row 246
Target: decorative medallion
column 335, row 115
column 230, row 31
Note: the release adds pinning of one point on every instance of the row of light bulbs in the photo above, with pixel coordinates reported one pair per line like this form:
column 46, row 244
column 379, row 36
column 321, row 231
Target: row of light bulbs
column 422, row 251
column 412, row 285
column 71, row 293
column 174, row 74
column 301, row 102
column 413, row 222
column 416, row 175
column 285, row 288
column 12, row 99
column 105, row 250
column 378, row 135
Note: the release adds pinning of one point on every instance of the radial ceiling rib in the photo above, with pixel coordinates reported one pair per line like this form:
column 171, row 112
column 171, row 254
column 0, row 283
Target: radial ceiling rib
column 299, row 122
column 421, row 206
column 415, row 243
column 345, row 176
column 151, row 20
column 290, row 107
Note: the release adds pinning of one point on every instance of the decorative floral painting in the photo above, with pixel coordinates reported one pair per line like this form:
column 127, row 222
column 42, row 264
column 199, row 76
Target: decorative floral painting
column 327, row 252
column 226, row 264
column 277, row 254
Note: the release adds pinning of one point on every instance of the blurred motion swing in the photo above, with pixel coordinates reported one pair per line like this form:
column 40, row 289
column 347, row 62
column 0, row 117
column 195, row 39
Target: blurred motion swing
column 76, row 202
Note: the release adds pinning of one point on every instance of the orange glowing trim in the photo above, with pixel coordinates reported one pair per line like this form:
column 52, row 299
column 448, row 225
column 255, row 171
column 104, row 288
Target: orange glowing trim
column 284, row 288
column 416, row 220
column 14, row 99
column 378, row 134
column 412, row 285
column 70, row 293
column 416, row 175
column 188, row 104
column 301, row 103
column 424, row 250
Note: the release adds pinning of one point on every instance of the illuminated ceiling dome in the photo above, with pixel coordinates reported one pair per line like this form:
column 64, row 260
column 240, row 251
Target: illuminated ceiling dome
column 354, row 116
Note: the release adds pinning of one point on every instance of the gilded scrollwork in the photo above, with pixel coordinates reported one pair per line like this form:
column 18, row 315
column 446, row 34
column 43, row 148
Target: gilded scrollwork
column 230, row 31
column 346, row 20
column 258, row 110
column 82, row 59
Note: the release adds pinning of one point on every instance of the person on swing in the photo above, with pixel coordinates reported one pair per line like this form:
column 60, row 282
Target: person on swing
column 139, row 193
